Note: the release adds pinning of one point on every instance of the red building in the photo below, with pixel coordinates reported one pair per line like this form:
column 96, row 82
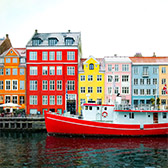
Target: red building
column 52, row 72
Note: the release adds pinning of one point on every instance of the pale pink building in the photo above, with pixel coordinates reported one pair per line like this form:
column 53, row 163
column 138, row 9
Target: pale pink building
column 117, row 78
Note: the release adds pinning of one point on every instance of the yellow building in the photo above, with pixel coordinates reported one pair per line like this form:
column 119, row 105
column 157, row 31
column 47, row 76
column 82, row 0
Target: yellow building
column 163, row 79
column 91, row 81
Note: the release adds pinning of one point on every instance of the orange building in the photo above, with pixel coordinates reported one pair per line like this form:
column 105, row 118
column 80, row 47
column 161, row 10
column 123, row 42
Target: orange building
column 13, row 76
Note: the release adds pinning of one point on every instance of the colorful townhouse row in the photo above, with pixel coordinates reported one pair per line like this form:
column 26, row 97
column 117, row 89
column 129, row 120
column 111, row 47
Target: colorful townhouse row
column 50, row 74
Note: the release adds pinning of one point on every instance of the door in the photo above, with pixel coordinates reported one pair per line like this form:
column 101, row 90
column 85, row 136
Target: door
column 71, row 106
column 43, row 111
column 155, row 117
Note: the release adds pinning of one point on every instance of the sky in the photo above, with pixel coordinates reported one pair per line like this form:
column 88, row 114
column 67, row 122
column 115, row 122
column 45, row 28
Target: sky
column 108, row 27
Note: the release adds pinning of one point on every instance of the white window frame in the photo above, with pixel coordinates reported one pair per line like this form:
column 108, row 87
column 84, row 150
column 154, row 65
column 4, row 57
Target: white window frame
column 45, row 70
column 59, row 84
column 82, row 78
column 8, row 60
column 90, row 77
column 125, row 78
column 44, row 100
column 125, row 67
column 33, row 84
column 125, row 90
column 33, row 56
column 59, row 70
column 59, row 55
column 52, row 55
column 33, row 70
column 9, row 72
column 44, row 55
column 90, row 89
column 6, row 84
column 99, row 89
column 22, row 83
column 71, row 85
column 70, row 55
column 44, row 85
column 13, row 84
column 14, row 71
column 15, row 96
column 1, row 71
column 52, row 84
column 52, row 100
column 1, row 85
column 33, row 99
column 52, row 70
column 21, row 71
column 70, row 70
column 108, row 78
column 59, row 100
column 14, row 60
column 99, row 77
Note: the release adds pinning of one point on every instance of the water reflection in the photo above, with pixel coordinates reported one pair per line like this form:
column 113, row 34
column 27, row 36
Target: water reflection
column 39, row 150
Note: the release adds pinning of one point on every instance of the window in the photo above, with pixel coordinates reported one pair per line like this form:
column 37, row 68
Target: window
column 154, row 81
column 136, row 70
column 141, row 81
column 1, row 60
column 14, row 60
column 163, row 81
column 70, row 55
column 33, row 100
column 99, row 101
column 154, row 91
column 44, row 56
column 45, row 84
column 135, row 81
column 52, row 41
column 116, row 91
column 135, row 91
column 59, row 100
column 1, row 85
column 45, row 100
column 7, row 85
column 109, row 90
column 14, row 99
column 163, row 69
column 8, row 60
column 154, row 70
column 59, row 70
column 36, row 41
column 164, row 115
column 109, row 68
column 90, row 89
column 22, row 60
column 110, row 78
column 99, row 77
column 125, row 78
column 142, row 91
column 163, row 101
column 125, row 90
column 52, row 55
column 82, row 77
column 22, row 101
column 82, row 89
column 33, row 55
column 71, row 85
column 116, row 67
column 1, row 71
column 125, row 67
column 33, row 85
column 52, row 70
column 52, row 100
column 14, row 71
column 59, row 84
column 70, row 70
column 33, row 70
column 163, row 92
column 33, row 111
column 14, row 85
column 69, row 41
column 131, row 115
column 22, row 85
column 8, row 71
column 59, row 55
column 148, row 92
column 145, row 70
column 148, row 81
column 116, row 78
column 99, row 89
column 91, row 66
column 21, row 71
column 52, row 85
column 45, row 70
column 7, row 99
column 82, row 101
column 90, row 77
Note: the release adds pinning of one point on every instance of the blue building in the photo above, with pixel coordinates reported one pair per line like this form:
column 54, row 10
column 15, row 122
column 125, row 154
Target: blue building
column 145, row 79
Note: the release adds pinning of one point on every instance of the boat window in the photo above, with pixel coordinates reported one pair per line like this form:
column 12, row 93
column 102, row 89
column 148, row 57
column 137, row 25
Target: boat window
column 90, row 107
column 131, row 115
column 148, row 115
column 125, row 115
column 97, row 108
column 105, row 108
column 86, row 107
column 164, row 115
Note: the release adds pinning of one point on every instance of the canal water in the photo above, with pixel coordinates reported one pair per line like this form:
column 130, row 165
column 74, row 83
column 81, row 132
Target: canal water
column 23, row 150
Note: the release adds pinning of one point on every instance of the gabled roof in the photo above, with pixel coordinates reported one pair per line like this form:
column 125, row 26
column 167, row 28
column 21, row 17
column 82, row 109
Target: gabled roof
column 149, row 60
column 117, row 59
column 17, row 51
column 91, row 57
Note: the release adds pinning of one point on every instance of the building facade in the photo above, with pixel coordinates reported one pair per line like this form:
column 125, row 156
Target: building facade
column 117, row 79
column 91, row 81
column 52, row 72
column 13, row 76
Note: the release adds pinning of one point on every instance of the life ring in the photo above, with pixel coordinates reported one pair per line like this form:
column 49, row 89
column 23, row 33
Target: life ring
column 104, row 114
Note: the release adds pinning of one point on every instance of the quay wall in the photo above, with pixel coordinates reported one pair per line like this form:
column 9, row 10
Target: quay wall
column 23, row 123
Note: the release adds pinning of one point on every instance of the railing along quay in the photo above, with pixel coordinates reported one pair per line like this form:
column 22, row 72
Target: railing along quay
column 29, row 123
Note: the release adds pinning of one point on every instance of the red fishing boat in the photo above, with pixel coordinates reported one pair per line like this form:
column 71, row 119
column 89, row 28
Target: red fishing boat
column 109, row 120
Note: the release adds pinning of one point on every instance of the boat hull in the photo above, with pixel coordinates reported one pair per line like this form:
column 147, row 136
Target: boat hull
column 58, row 124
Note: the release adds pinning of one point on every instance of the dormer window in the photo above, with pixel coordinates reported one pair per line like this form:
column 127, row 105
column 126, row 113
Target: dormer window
column 22, row 60
column 52, row 41
column 69, row 41
column 36, row 41
column 91, row 66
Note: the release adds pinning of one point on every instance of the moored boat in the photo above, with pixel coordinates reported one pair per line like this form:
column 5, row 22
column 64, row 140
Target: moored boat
column 109, row 120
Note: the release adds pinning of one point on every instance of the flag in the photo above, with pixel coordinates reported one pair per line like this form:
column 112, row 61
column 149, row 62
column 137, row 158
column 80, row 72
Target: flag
column 165, row 88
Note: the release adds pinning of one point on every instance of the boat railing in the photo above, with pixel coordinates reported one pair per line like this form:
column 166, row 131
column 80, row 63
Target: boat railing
column 137, row 107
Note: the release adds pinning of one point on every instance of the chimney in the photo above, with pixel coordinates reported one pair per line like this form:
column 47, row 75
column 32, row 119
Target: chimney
column 7, row 36
column 154, row 55
column 138, row 55
column 69, row 31
column 36, row 31
column 115, row 55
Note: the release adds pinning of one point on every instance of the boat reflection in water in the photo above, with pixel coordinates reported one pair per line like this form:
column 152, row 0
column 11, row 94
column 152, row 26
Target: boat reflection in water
column 107, row 152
